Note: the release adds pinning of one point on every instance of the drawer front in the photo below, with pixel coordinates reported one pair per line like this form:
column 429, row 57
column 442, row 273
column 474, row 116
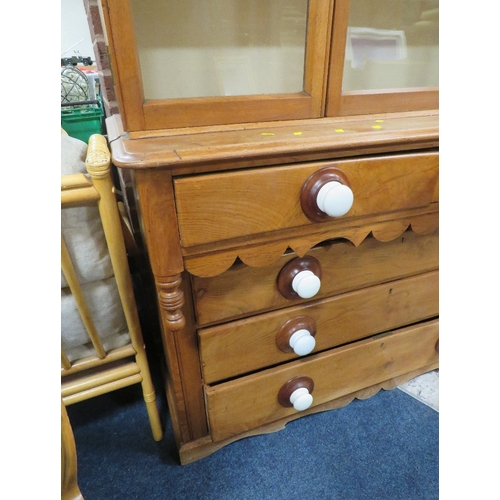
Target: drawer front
column 249, row 402
column 247, row 345
column 228, row 205
column 244, row 290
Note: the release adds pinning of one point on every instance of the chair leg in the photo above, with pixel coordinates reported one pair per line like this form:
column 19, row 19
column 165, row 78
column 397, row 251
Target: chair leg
column 69, row 481
column 153, row 414
column 148, row 392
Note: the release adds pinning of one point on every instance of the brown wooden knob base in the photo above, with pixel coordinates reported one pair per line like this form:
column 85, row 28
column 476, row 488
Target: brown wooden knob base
column 290, row 327
column 291, row 269
column 311, row 188
column 292, row 385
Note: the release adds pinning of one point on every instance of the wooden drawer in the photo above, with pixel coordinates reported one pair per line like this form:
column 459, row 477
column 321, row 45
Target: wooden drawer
column 228, row 205
column 248, row 345
column 244, row 290
column 246, row 403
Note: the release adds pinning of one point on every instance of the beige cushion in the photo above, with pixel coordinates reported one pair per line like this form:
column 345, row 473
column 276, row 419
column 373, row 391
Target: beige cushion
column 107, row 314
column 81, row 226
column 83, row 233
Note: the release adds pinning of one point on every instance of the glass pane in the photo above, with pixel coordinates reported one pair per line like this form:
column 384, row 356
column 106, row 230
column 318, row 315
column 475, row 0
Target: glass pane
column 391, row 44
column 198, row 48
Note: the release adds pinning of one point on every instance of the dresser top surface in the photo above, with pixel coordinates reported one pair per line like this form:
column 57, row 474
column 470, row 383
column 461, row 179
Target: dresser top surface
column 228, row 147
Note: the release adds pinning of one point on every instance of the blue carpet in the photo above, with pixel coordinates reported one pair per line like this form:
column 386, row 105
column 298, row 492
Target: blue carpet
column 382, row 448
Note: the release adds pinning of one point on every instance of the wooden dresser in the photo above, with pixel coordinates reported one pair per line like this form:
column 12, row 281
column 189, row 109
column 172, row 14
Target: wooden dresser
column 295, row 254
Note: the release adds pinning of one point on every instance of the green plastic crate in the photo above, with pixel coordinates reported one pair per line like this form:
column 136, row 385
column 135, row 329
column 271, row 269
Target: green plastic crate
column 81, row 122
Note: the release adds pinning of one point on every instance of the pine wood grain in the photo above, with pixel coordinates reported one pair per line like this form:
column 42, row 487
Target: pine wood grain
column 197, row 149
column 264, row 249
column 229, row 205
column 247, row 345
column 218, row 181
column 249, row 402
column 203, row 447
column 244, row 290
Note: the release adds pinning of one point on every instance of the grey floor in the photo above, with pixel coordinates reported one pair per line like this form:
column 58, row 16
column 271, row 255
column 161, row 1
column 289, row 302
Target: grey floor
column 424, row 388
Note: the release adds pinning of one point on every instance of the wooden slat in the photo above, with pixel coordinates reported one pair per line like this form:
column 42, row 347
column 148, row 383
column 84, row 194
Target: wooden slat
column 356, row 103
column 94, row 361
column 77, row 189
column 104, row 389
column 223, row 110
column 81, row 303
column 106, row 376
column 72, row 181
column 65, row 362
column 78, row 196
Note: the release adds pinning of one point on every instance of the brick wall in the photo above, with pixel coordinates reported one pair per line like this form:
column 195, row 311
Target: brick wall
column 101, row 56
column 110, row 101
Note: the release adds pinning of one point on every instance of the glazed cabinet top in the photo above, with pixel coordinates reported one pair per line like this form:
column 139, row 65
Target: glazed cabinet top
column 329, row 135
column 193, row 64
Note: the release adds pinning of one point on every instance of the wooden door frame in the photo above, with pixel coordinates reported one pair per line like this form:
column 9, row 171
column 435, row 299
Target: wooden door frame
column 141, row 114
column 366, row 102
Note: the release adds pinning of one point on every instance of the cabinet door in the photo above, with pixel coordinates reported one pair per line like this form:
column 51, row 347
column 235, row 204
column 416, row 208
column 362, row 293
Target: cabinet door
column 384, row 56
column 192, row 63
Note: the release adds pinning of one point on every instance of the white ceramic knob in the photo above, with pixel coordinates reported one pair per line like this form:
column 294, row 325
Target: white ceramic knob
column 306, row 284
column 301, row 399
column 335, row 199
column 302, row 342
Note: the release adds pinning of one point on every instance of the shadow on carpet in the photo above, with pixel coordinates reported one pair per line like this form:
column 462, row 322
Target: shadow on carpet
column 382, row 448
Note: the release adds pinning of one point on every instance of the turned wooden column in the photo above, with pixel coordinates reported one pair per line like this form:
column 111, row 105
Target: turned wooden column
column 157, row 206
column 171, row 301
column 184, row 383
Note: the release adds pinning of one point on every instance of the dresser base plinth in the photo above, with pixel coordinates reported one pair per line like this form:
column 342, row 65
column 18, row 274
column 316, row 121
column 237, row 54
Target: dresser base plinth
column 204, row 447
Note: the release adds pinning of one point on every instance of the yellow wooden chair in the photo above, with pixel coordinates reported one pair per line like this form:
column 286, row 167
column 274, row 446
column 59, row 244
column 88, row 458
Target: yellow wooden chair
column 104, row 365
column 69, row 470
